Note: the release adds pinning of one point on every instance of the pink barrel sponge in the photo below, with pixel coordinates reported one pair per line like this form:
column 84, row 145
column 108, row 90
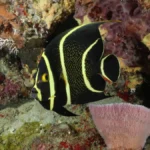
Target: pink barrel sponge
column 123, row 126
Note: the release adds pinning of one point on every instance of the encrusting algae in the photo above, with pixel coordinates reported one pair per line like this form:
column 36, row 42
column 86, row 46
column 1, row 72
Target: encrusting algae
column 22, row 137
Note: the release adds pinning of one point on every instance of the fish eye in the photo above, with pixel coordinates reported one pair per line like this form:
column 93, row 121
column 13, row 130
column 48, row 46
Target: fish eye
column 45, row 77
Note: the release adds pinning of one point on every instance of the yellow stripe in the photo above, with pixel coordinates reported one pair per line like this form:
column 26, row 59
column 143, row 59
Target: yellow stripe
column 64, row 72
column 61, row 50
column 102, row 68
column 86, row 81
column 39, row 96
column 51, row 81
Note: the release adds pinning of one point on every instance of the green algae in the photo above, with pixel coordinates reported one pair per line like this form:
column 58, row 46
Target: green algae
column 22, row 137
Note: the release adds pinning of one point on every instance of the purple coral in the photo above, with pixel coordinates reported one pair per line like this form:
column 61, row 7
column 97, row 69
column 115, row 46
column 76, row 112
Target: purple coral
column 9, row 91
column 123, row 126
column 123, row 38
column 80, row 11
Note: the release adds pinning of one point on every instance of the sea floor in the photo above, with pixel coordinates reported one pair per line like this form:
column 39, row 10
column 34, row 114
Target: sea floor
column 28, row 126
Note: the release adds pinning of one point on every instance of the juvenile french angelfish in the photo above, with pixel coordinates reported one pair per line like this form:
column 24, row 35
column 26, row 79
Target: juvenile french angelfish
column 68, row 72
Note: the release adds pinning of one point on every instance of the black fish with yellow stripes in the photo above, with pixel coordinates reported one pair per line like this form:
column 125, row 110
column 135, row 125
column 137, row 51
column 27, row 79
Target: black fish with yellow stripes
column 70, row 67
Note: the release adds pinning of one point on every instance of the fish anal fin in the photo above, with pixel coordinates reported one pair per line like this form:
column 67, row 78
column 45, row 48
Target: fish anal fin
column 63, row 111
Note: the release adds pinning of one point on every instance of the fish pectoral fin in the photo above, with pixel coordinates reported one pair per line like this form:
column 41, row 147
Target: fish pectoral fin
column 63, row 111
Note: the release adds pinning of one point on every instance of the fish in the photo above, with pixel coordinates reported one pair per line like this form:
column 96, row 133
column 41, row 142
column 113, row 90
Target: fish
column 68, row 72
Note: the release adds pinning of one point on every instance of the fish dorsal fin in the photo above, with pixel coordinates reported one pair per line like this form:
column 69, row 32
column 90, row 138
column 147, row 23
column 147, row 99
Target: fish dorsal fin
column 84, row 35
column 94, row 52
column 110, row 68
column 67, row 24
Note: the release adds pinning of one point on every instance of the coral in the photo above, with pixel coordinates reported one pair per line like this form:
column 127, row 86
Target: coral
column 123, row 126
column 125, row 87
column 123, row 38
column 146, row 40
column 9, row 26
column 125, row 34
column 9, row 91
column 9, row 43
column 45, row 129
column 24, row 26
column 82, row 7
column 15, row 79
column 38, row 16
column 66, row 138
column 22, row 137
column 145, row 4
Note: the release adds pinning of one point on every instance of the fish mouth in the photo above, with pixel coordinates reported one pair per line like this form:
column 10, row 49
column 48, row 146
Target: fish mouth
column 33, row 93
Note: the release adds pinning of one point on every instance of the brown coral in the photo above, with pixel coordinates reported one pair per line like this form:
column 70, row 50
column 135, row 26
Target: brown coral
column 9, row 26
column 145, row 3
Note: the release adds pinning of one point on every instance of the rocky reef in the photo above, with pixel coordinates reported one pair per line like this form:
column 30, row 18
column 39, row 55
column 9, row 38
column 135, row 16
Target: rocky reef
column 26, row 27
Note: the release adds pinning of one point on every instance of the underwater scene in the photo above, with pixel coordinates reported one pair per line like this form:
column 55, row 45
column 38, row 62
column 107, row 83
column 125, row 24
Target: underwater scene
column 74, row 74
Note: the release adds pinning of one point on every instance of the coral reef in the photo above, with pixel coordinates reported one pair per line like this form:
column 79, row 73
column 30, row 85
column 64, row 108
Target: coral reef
column 126, row 85
column 123, row 126
column 30, row 126
column 67, row 140
column 36, row 137
column 9, row 26
column 25, row 29
column 27, row 24
column 125, row 34
column 122, row 38
column 9, row 43
column 15, row 79
column 10, row 87
column 24, row 136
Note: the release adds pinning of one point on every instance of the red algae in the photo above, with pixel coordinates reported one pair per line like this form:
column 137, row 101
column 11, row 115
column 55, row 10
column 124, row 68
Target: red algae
column 125, row 96
column 57, row 138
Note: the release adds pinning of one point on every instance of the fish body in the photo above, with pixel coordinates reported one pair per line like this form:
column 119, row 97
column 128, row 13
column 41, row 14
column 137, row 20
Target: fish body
column 68, row 72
